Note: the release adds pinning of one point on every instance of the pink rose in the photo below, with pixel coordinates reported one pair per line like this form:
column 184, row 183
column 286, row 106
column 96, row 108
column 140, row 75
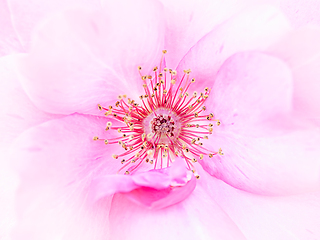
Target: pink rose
column 249, row 133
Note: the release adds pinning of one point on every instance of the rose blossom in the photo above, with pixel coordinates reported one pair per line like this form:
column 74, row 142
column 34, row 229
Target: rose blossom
column 258, row 164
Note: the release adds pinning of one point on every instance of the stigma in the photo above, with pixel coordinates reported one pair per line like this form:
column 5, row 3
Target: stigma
column 165, row 123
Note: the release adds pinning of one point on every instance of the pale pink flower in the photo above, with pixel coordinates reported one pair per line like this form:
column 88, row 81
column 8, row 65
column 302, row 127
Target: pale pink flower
column 259, row 169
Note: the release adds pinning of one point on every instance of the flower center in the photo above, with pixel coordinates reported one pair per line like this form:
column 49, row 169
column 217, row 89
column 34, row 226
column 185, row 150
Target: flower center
column 163, row 124
column 166, row 124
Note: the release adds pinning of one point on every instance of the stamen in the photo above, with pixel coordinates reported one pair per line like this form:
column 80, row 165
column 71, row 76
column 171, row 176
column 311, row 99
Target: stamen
column 165, row 124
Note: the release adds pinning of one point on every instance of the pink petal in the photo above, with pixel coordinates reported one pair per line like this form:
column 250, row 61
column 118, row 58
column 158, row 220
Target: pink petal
column 78, row 58
column 301, row 12
column 17, row 112
column 251, row 88
column 9, row 42
column 153, row 189
column 27, row 14
column 253, row 29
column 196, row 217
column 262, row 217
column 300, row 49
column 285, row 163
column 183, row 19
column 57, row 162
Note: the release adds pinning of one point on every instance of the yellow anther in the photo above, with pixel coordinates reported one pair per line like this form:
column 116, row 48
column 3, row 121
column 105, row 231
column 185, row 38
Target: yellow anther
column 115, row 156
column 120, row 142
column 220, row 152
column 197, row 177
column 133, row 161
column 110, row 107
column 143, row 136
column 127, row 172
column 210, row 130
column 144, row 78
column 124, row 96
column 109, row 124
column 174, row 72
column 141, row 97
column 150, row 153
column 210, row 155
column 165, row 69
column 149, row 135
column 218, row 123
column 211, row 115
column 194, row 94
column 204, row 108
column 99, row 106
column 139, row 68
column 95, row 138
column 173, row 81
column 205, row 137
column 149, row 77
column 206, row 89
column 193, row 80
column 205, row 96
column 131, row 137
column 165, row 91
column 137, row 154
column 107, row 128
column 190, row 106
column 144, row 85
column 187, row 149
column 194, row 160
column 200, row 143
column 155, row 69
column 210, row 125
column 117, row 104
column 186, row 94
column 184, row 146
column 164, row 51
column 161, row 81
column 151, row 161
column 201, row 156
column 193, row 140
column 124, row 135
column 147, row 160
column 119, row 130
column 106, row 141
column 123, row 161
column 196, row 114
column 160, row 74
column 120, row 97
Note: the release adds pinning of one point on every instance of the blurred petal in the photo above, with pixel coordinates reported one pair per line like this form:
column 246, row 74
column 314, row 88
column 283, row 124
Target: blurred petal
column 301, row 50
column 9, row 42
column 17, row 112
column 78, row 58
column 253, row 29
column 251, row 88
column 57, row 162
column 261, row 217
column 301, row 12
column 268, row 165
column 197, row 217
column 183, row 19
column 27, row 14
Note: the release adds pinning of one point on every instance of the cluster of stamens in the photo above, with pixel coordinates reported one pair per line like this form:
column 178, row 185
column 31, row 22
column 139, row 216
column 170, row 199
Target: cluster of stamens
column 168, row 122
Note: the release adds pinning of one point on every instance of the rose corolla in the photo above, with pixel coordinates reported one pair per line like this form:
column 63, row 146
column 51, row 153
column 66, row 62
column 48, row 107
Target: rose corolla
column 241, row 66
